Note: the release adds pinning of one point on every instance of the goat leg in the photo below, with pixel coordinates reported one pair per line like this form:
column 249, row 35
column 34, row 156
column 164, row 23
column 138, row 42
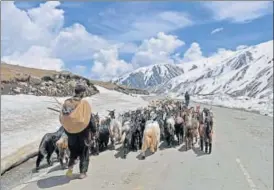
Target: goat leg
column 201, row 144
column 210, row 147
column 206, row 147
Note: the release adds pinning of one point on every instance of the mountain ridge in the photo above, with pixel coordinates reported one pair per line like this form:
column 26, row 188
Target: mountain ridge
column 244, row 72
column 147, row 77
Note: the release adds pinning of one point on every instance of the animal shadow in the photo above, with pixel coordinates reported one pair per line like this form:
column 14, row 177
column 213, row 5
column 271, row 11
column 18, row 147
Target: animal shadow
column 164, row 146
column 198, row 151
column 119, row 153
column 54, row 181
column 44, row 165
column 147, row 154
column 183, row 148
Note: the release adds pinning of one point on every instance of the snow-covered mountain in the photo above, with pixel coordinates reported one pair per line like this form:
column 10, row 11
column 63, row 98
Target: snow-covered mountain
column 151, row 76
column 246, row 72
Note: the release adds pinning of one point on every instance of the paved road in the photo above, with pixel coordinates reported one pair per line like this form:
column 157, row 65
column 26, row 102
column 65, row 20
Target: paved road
column 242, row 159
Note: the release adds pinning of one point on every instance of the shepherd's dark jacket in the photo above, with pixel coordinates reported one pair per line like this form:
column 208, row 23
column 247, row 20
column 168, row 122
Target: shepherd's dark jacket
column 187, row 96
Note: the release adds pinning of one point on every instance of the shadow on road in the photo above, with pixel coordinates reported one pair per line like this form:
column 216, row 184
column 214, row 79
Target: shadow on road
column 147, row 154
column 119, row 153
column 44, row 165
column 55, row 181
column 198, row 151
column 164, row 146
column 183, row 148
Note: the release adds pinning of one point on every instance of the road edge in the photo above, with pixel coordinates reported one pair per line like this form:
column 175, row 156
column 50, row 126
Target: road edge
column 20, row 156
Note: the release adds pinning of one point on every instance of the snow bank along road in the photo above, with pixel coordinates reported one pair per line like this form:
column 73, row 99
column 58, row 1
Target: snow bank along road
column 25, row 119
column 241, row 160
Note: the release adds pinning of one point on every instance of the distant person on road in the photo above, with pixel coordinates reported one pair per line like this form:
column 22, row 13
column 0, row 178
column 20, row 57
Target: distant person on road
column 187, row 99
column 75, row 118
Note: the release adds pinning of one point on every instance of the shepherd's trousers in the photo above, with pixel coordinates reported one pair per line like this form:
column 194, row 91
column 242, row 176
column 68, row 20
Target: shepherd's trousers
column 78, row 148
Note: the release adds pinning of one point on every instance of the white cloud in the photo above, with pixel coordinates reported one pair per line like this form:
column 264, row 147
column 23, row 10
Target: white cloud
column 37, row 37
column 216, row 30
column 162, row 42
column 79, row 69
column 222, row 52
column 52, row 19
column 193, row 53
column 146, row 58
column 35, row 57
column 180, row 19
column 135, row 23
column 240, row 47
column 107, row 65
column 26, row 28
column 127, row 47
column 157, row 50
column 26, row 40
column 239, row 11
column 148, row 25
column 75, row 43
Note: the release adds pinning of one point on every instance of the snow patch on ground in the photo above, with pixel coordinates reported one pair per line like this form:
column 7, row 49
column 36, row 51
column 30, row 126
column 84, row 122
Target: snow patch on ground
column 25, row 118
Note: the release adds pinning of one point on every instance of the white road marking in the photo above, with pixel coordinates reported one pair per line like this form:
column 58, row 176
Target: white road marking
column 246, row 174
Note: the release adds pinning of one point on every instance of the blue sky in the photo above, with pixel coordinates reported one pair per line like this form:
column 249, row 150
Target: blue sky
column 134, row 24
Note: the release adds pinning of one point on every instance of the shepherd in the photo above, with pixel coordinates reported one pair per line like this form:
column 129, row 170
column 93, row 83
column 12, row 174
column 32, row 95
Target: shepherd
column 75, row 117
column 187, row 98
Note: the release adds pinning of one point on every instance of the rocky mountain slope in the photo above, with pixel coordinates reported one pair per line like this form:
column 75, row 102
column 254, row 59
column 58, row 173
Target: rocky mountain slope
column 22, row 80
column 147, row 77
column 246, row 72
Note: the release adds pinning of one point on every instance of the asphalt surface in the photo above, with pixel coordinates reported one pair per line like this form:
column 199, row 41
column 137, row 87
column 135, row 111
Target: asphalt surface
column 241, row 159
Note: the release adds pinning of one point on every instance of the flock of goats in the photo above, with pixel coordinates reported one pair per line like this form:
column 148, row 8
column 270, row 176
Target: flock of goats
column 140, row 129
